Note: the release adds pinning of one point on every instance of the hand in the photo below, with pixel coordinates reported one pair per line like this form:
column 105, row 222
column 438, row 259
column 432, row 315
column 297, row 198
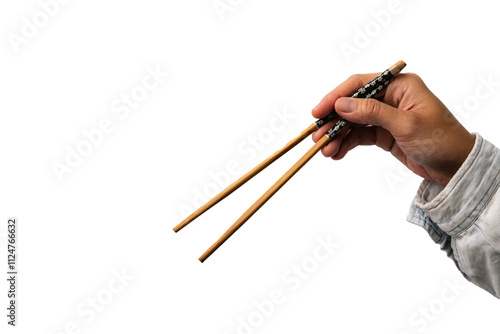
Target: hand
column 406, row 119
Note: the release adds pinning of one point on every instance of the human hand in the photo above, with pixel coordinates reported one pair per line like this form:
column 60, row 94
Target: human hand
column 406, row 119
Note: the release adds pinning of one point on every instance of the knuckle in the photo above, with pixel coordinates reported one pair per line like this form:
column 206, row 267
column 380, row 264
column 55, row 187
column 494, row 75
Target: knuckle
column 370, row 108
column 356, row 80
column 354, row 77
column 412, row 79
column 413, row 76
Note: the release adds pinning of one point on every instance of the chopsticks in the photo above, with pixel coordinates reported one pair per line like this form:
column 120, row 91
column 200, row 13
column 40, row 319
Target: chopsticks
column 367, row 91
column 256, row 170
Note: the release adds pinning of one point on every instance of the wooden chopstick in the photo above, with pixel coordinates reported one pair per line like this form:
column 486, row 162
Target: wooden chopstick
column 242, row 180
column 266, row 196
column 360, row 93
column 374, row 87
column 256, row 170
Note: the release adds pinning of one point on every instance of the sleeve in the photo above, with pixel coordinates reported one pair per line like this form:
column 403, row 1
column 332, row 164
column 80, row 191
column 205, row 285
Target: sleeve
column 464, row 217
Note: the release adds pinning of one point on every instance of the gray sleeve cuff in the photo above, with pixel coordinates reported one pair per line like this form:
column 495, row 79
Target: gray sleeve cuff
column 454, row 208
column 461, row 219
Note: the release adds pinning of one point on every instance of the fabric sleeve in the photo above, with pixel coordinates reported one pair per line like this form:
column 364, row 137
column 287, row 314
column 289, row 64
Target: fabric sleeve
column 464, row 217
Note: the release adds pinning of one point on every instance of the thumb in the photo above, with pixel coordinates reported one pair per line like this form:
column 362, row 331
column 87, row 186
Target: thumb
column 368, row 111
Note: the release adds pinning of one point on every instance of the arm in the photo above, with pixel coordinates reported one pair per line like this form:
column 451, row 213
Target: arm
column 463, row 217
column 457, row 203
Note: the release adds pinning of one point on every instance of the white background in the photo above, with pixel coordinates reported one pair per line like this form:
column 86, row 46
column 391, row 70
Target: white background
column 228, row 76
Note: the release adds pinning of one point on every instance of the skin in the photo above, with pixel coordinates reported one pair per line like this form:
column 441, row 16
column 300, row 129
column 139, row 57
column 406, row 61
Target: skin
column 406, row 119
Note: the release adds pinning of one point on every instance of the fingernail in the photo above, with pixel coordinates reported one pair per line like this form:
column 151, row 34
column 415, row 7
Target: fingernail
column 345, row 105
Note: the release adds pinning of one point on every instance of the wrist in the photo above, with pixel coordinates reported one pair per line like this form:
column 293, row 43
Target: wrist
column 463, row 148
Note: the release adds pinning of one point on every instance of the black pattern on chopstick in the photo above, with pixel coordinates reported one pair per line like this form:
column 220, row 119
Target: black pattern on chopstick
column 363, row 92
column 378, row 84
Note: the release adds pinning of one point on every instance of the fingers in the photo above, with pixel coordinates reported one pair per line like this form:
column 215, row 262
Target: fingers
column 347, row 88
column 324, row 129
column 371, row 112
column 371, row 135
column 389, row 119
column 333, row 146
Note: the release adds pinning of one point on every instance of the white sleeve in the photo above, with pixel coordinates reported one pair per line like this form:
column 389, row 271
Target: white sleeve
column 464, row 217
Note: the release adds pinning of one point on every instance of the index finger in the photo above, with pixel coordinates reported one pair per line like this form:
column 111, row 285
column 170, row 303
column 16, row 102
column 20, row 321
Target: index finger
column 347, row 88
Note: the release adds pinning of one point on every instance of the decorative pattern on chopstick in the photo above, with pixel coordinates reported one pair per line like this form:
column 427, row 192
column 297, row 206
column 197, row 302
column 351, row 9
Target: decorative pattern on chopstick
column 363, row 92
column 377, row 84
